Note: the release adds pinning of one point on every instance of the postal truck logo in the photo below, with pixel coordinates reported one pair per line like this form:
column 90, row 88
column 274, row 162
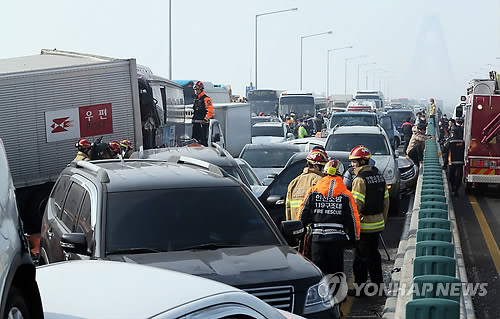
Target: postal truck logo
column 61, row 124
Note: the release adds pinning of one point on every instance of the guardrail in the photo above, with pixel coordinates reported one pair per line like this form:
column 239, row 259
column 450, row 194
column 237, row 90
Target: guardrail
column 432, row 276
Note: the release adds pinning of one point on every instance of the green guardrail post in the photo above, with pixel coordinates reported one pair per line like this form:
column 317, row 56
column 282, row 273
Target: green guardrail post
column 434, row 248
column 434, row 265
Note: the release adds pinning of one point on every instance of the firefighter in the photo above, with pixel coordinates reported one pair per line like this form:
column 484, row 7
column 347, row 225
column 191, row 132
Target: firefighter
column 456, row 148
column 203, row 112
column 330, row 212
column 298, row 187
column 114, row 147
column 370, row 193
column 406, row 128
column 83, row 147
column 126, row 148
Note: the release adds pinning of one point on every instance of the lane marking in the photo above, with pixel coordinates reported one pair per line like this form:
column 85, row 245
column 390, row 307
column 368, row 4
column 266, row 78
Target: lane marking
column 487, row 234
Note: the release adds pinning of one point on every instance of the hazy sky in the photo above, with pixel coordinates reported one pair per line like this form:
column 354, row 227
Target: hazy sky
column 427, row 48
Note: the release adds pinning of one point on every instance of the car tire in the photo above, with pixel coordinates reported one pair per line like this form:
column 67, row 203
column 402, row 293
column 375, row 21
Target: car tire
column 16, row 306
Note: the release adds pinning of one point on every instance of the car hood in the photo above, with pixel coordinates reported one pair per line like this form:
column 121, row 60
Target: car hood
column 267, row 139
column 240, row 267
column 262, row 172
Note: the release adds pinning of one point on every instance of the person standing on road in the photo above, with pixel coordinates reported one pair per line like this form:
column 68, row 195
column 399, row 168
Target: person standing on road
column 203, row 112
column 331, row 213
column 83, row 147
column 301, row 130
column 406, row 128
column 298, row 187
column 432, row 111
column 456, row 148
column 370, row 193
column 416, row 146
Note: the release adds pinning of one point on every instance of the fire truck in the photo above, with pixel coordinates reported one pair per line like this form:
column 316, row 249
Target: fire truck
column 482, row 133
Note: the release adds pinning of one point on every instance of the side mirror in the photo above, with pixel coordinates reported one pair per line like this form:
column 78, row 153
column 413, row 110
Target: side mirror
column 293, row 231
column 75, row 243
column 216, row 137
column 275, row 200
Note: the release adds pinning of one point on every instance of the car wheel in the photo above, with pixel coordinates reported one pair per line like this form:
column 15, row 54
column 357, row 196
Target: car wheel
column 16, row 307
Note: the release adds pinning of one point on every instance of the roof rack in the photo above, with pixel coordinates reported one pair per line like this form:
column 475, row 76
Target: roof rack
column 101, row 173
column 196, row 162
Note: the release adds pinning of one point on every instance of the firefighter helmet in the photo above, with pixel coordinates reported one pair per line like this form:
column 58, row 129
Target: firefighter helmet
column 334, row 167
column 317, row 157
column 431, row 100
column 125, row 143
column 360, row 152
column 198, row 85
column 83, row 143
column 114, row 146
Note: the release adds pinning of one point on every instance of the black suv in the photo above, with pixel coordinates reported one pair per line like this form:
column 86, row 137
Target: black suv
column 185, row 215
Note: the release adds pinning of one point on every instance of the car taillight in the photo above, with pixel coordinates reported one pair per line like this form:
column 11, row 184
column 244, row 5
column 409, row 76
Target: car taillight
column 479, row 163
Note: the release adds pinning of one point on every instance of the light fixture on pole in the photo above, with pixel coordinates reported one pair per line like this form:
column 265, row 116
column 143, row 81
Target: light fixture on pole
column 328, row 68
column 301, row 41
column 360, row 65
column 366, row 76
column 256, row 19
column 345, row 70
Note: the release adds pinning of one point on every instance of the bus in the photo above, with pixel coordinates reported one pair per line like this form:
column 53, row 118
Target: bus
column 301, row 104
column 371, row 95
column 219, row 93
column 265, row 101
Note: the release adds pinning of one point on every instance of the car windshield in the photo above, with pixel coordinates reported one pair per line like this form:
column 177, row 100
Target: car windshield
column 250, row 175
column 400, row 116
column 267, row 131
column 345, row 143
column 174, row 219
column 346, row 119
column 233, row 172
column 268, row 158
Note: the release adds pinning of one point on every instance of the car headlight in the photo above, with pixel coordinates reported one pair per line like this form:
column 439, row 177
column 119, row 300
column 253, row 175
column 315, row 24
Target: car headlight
column 318, row 298
column 389, row 174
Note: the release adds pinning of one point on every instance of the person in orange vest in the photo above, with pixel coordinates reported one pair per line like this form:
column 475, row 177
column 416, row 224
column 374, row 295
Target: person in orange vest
column 203, row 112
column 329, row 210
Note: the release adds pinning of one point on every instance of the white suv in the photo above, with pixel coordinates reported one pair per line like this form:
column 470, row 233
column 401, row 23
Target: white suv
column 19, row 293
column 345, row 138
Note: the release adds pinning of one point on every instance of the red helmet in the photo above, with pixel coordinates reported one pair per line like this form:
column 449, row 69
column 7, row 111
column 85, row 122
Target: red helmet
column 125, row 143
column 334, row 167
column 199, row 85
column 318, row 157
column 360, row 152
column 114, row 146
column 431, row 100
column 83, row 142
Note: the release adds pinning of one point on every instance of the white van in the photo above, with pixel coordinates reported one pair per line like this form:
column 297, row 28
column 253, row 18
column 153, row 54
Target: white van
column 19, row 290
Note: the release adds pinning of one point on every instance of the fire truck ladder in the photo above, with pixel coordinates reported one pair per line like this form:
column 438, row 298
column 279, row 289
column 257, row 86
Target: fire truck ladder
column 491, row 130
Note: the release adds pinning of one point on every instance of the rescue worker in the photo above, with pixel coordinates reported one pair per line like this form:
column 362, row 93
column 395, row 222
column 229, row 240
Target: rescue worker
column 114, row 147
column 83, row 147
column 370, row 193
column 126, row 148
column 443, row 128
column 203, row 112
column 301, row 129
column 406, row 128
column 416, row 146
column 330, row 212
column 456, row 148
column 297, row 188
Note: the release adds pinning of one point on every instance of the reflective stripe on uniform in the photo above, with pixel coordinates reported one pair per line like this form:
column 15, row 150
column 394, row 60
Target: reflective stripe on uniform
column 294, row 203
column 359, row 196
column 372, row 226
column 318, row 231
column 386, row 195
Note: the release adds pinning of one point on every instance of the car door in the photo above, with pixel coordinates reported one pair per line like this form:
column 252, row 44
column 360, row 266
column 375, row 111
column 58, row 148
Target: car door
column 273, row 198
column 84, row 224
column 65, row 222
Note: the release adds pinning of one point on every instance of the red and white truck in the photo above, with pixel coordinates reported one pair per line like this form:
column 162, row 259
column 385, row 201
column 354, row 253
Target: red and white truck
column 482, row 133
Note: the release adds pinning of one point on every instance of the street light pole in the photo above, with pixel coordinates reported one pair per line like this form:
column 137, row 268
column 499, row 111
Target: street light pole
column 301, row 45
column 360, row 65
column 345, row 70
column 328, row 68
column 170, row 39
column 366, row 79
column 259, row 15
column 380, row 71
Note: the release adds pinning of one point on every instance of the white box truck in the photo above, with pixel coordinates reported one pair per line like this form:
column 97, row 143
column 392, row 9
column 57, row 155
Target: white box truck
column 234, row 119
